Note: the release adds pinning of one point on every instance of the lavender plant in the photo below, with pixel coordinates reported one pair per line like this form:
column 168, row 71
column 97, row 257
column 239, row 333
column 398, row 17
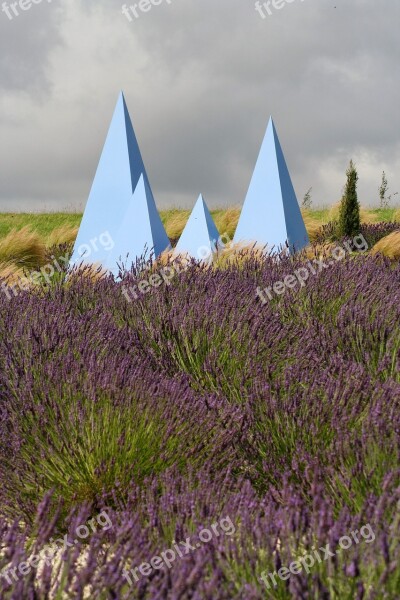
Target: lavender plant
column 198, row 402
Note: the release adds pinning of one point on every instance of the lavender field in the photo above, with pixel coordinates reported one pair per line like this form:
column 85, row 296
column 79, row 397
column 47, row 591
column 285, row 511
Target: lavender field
column 237, row 449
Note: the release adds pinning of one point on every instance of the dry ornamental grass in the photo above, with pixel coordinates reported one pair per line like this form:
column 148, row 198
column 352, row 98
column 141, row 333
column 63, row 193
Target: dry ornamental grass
column 24, row 248
column 66, row 234
column 389, row 246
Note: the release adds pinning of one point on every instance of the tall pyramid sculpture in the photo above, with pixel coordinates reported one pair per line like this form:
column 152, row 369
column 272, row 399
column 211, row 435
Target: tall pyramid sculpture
column 200, row 237
column 111, row 205
column 271, row 214
column 141, row 232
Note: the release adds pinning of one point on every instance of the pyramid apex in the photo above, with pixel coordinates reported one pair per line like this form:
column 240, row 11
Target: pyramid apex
column 121, row 97
column 271, row 123
column 119, row 171
column 271, row 214
column 121, row 102
column 200, row 236
column 141, row 232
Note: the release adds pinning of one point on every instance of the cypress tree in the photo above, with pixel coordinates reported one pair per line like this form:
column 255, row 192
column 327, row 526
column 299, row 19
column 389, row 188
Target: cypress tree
column 349, row 216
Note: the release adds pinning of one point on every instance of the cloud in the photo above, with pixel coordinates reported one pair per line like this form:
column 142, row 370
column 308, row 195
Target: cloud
column 200, row 79
column 26, row 42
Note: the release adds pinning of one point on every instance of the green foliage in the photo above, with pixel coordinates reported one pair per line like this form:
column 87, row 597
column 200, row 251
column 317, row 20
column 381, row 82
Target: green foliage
column 88, row 447
column 42, row 223
column 349, row 216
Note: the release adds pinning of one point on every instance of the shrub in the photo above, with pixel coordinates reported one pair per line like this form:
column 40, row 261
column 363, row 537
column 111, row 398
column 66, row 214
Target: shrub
column 327, row 233
column 256, row 535
column 194, row 402
column 97, row 442
column 349, row 215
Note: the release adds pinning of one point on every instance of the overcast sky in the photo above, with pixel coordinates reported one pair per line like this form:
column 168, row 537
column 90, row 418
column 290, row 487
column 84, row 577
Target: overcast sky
column 201, row 78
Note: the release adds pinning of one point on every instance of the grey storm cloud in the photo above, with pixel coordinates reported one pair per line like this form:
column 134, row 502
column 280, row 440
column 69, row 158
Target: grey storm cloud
column 25, row 47
column 201, row 80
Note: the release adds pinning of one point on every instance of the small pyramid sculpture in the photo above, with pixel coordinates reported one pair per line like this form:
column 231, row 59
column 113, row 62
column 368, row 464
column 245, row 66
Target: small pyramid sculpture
column 271, row 215
column 111, row 196
column 141, row 233
column 200, row 237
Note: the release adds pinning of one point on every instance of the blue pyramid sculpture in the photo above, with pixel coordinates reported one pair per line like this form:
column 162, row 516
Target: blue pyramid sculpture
column 141, row 233
column 271, row 215
column 111, row 196
column 200, row 237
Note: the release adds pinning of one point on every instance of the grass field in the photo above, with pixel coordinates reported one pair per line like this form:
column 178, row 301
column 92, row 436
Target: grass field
column 45, row 223
column 173, row 219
